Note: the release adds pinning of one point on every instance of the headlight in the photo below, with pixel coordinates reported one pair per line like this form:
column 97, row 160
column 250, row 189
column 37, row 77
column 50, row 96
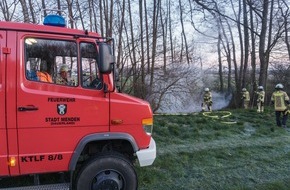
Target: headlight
column 148, row 125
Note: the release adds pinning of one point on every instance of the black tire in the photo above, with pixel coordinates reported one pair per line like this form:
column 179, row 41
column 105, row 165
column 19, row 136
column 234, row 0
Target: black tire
column 108, row 171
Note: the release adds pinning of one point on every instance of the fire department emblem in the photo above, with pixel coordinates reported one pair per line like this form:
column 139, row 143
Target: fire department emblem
column 61, row 109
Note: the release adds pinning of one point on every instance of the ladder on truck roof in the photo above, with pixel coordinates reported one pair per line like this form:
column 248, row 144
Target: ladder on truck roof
column 60, row 186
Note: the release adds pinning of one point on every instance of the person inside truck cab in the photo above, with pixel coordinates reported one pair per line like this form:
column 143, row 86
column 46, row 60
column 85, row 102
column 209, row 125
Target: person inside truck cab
column 42, row 74
column 63, row 77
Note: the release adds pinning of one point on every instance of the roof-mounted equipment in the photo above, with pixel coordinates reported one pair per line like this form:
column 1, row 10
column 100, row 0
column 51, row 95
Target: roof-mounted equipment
column 54, row 20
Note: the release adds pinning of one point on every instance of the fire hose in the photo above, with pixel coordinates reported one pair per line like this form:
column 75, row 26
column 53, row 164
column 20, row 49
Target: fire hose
column 219, row 115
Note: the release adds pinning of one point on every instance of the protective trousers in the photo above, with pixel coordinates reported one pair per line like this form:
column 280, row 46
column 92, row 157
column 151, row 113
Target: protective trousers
column 206, row 104
column 246, row 104
column 260, row 106
column 278, row 118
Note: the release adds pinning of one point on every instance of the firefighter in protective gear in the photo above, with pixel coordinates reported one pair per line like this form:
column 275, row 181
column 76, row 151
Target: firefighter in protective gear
column 246, row 98
column 43, row 75
column 260, row 99
column 63, row 77
column 207, row 100
column 280, row 99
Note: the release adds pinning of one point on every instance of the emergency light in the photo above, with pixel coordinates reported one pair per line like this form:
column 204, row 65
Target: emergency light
column 54, row 20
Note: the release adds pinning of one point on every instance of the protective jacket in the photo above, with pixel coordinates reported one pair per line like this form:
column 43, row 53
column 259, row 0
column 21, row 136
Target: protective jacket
column 246, row 96
column 261, row 96
column 44, row 76
column 280, row 98
column 207, row 98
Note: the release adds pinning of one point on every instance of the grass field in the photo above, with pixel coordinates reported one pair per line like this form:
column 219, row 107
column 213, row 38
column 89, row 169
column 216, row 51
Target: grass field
column 217, row 151
column 241, row 151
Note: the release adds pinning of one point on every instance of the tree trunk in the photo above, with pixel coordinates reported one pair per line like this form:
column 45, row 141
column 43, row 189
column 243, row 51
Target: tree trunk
column 183, row 33
column 136, row 89
column 120, row 33
column 101, row 18
column 253, row 51
column 80, row 13
column 220, row 64
column 70, row 12
column 246, row 43
column 110, row 29
column 25, row 11
column 34, row 20
column 262, row 53
column 147, row 37
column 43, row 5
column 142, row 49
column 154, row 39
column 163, row 22
column 170, row 31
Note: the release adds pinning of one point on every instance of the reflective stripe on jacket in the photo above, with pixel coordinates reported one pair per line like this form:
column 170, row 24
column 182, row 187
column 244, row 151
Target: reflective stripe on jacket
column 207, row 97
column 246, row 96
column 261, row 96
column 279, row 97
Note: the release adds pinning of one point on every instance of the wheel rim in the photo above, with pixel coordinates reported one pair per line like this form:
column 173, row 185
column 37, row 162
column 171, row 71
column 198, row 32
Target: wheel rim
column 108, row 180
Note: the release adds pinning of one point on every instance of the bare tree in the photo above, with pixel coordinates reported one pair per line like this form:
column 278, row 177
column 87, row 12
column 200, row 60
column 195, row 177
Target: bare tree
column 142, row 54
column 25, row 11
column 34, row 20
column 43, row 5
column 110, row 20
column 93, row 5
column 170, row 30
column 70, row 12
column 183, row 32
column 120, row 31
column 133, row 53
column 220, row 62
column 156, row 8
column 262, row 44
column 81, row 14
column 163, row 22
column 101, row 17
column 253, row 50
column 8, row 9
column 285, row 22
column 246, row 44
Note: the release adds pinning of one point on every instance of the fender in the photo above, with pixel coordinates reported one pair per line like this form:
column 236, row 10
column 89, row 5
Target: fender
column 98, row 137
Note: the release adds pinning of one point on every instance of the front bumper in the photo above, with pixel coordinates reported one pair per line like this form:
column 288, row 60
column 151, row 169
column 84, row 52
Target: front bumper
column 147, row 156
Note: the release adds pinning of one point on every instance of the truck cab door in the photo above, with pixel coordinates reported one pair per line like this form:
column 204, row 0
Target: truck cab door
column 3, row 129
column 53, row 116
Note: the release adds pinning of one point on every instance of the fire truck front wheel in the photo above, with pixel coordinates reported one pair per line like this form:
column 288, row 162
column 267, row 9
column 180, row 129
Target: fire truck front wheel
column 110, row 171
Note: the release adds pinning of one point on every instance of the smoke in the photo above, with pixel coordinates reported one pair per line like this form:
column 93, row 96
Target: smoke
column 186, row 103
column 221, row 100
column 180, row 89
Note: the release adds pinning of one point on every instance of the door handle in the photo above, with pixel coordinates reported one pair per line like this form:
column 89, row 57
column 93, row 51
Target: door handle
column 28, row 108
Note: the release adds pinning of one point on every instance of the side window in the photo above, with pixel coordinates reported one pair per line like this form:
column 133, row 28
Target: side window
column 51, row 61
column 90, row 73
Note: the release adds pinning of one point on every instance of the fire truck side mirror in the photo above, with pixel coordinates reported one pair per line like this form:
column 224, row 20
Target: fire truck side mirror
column 106, row 58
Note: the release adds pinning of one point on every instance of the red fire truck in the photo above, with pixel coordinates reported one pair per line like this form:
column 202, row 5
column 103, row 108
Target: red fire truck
column 61, row 112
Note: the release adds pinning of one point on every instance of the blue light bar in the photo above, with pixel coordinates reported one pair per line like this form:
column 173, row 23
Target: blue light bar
column 54, row 20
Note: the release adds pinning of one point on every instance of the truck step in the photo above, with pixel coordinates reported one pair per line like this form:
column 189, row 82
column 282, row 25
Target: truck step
column 60, row 186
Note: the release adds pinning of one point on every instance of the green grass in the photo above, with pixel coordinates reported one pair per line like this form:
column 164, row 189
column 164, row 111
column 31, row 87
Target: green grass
column 237, row 152
column 213, row 152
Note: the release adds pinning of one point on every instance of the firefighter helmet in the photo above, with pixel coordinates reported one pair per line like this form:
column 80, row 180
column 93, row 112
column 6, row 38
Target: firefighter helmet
column 63, row 68
column 206, row 89
column 244, row 89
column 260, row 88
column 279, row 86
